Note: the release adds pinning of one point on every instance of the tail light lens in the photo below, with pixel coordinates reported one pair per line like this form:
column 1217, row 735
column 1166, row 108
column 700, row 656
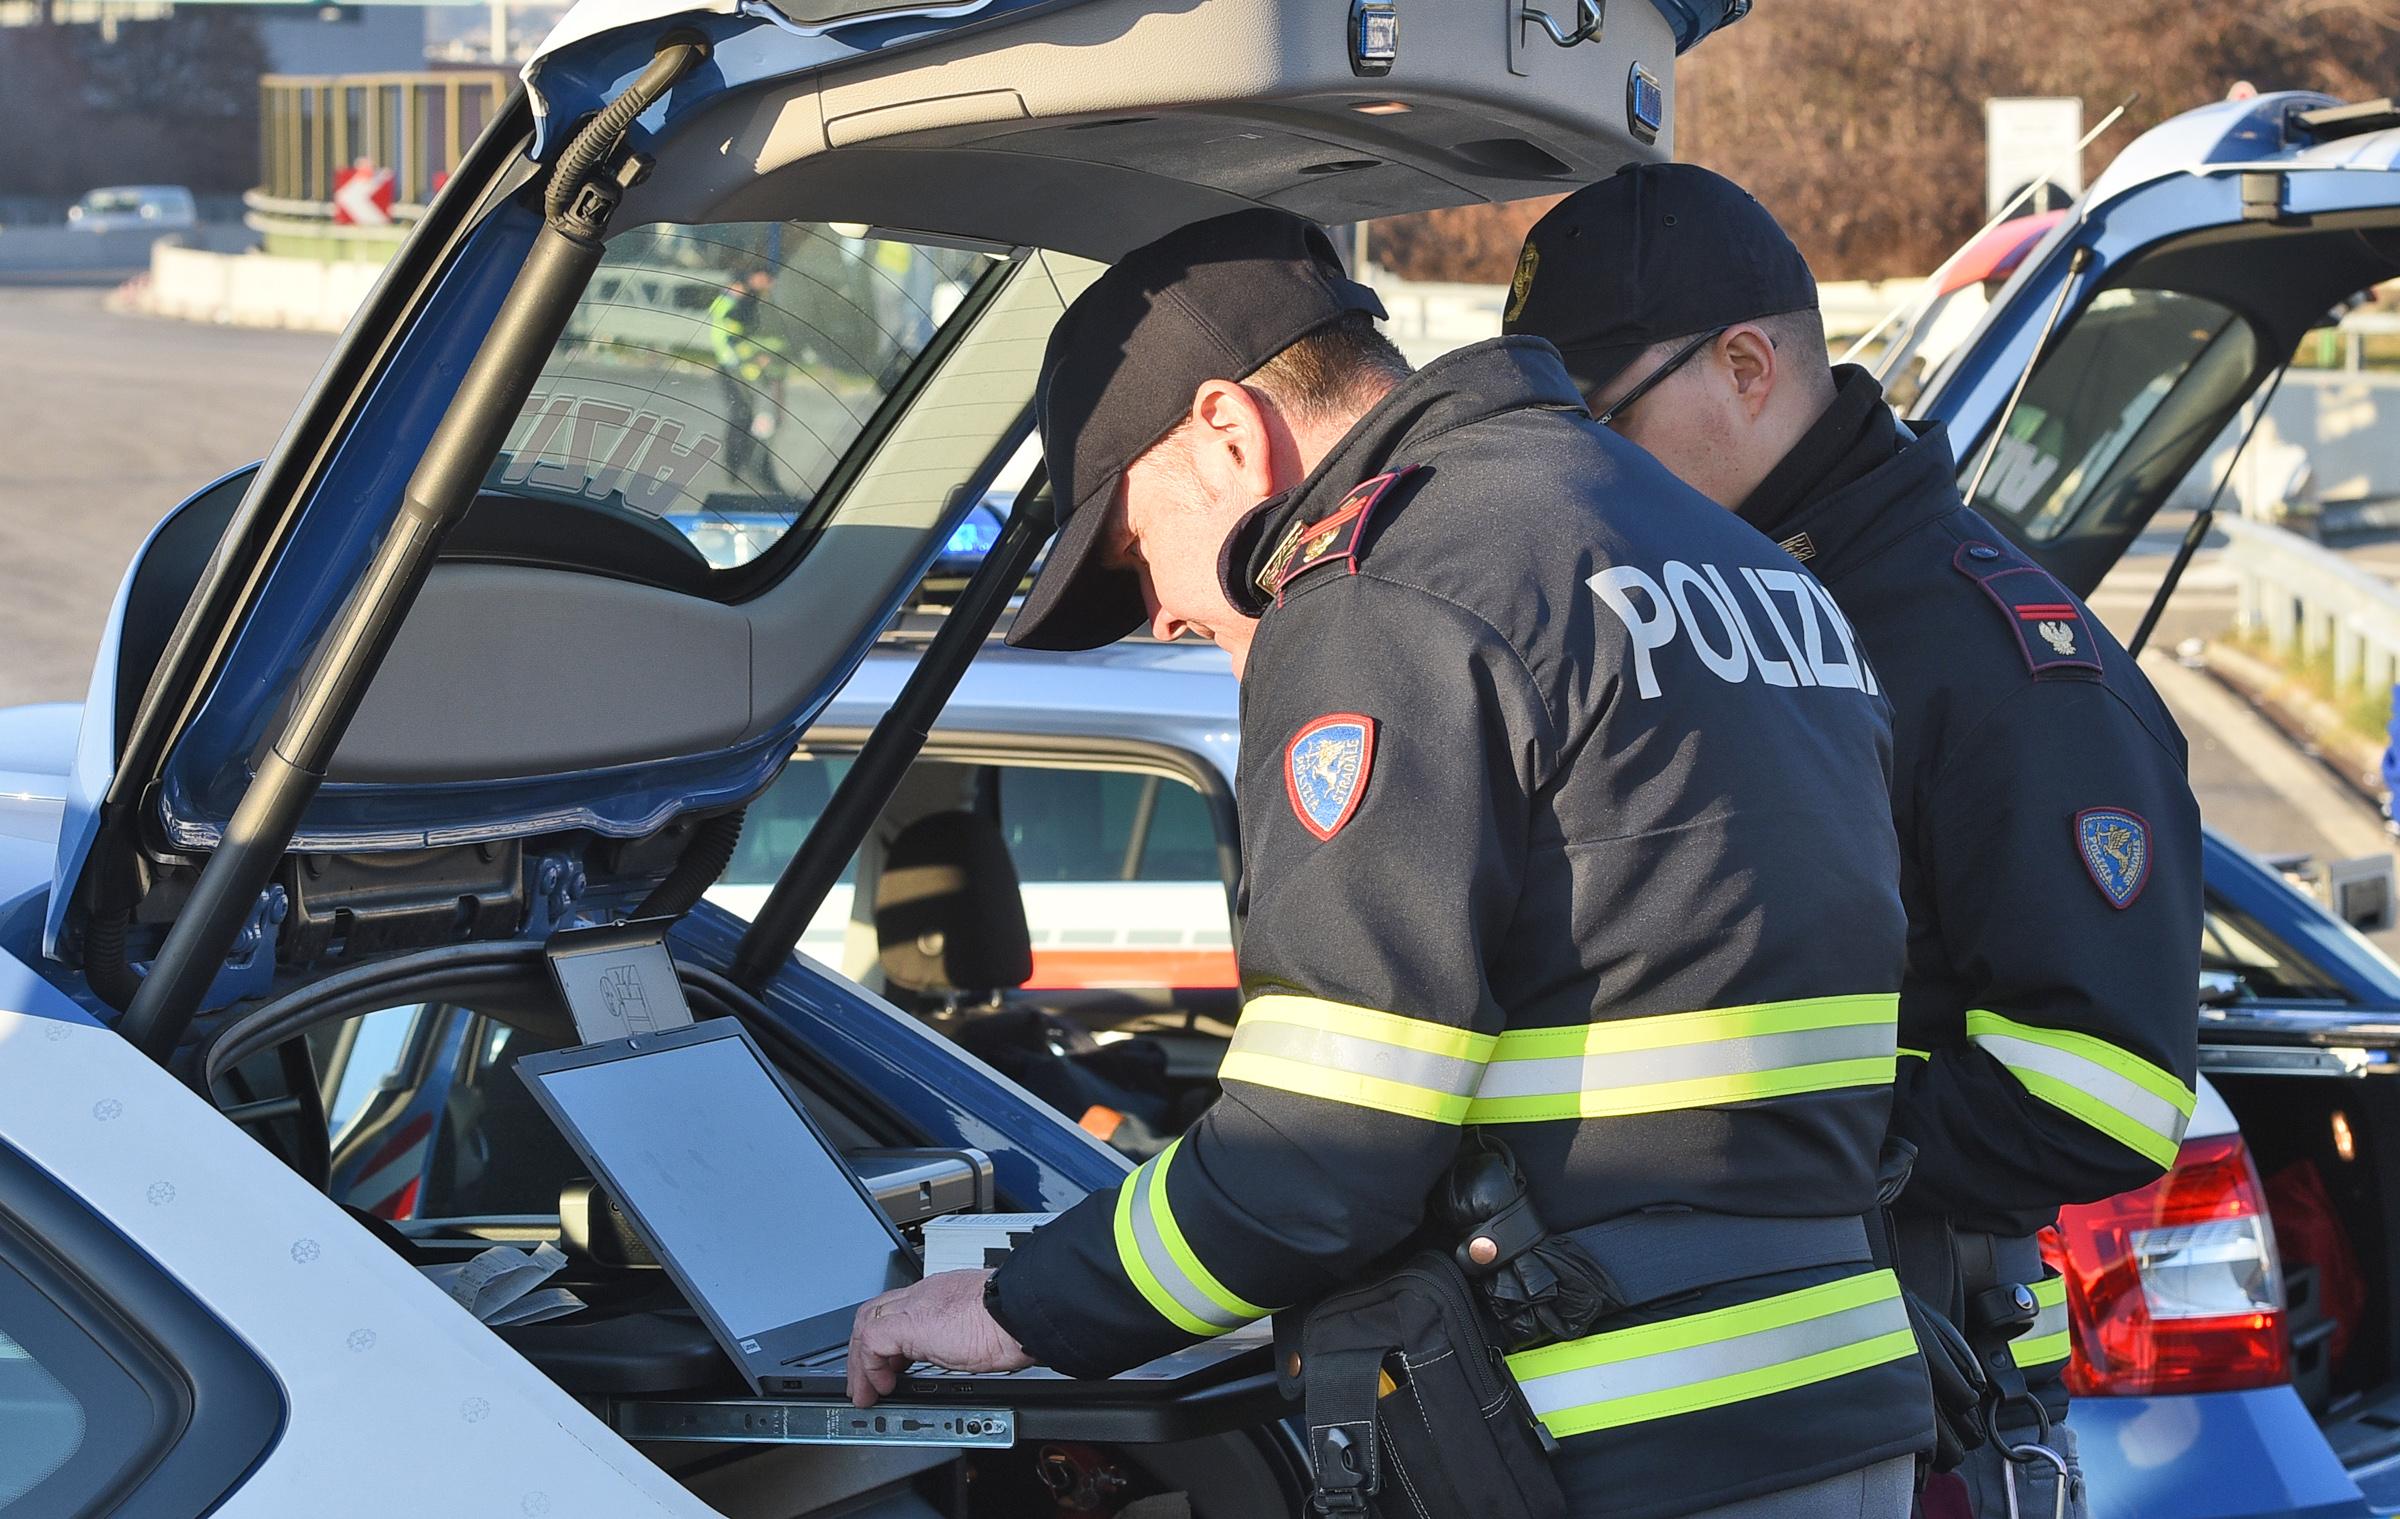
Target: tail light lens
column 2174, row 1287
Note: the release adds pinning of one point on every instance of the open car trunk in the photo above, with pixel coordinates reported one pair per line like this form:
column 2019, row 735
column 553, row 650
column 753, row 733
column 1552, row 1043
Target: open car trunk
column 579, row 533
column 2315, row 1092
column 2171, row 293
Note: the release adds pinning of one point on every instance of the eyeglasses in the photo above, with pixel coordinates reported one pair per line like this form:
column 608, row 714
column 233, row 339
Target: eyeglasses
column 1674, row 362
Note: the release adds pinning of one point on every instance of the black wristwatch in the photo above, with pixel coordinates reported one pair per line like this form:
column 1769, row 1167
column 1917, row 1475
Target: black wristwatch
column 991, row 1299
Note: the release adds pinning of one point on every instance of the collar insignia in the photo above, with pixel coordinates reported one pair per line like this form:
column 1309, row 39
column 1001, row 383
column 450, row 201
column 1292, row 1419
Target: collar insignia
column 1332, row 539
column 1800, row 546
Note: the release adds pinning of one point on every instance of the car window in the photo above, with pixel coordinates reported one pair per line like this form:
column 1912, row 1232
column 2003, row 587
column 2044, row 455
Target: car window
column 713, row 378
column 2233, row 941
column 74, row 1419
column 2127, row 391
column 1121, row 874
column 117, row 1390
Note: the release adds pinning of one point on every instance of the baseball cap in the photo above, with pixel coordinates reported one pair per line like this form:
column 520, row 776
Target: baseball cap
column 1211, row 301
column 1655, row 251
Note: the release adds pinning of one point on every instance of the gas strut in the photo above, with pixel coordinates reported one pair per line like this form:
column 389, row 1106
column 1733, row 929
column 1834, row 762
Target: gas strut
column 897, row 740
column 588, row 180
column 2202, row 520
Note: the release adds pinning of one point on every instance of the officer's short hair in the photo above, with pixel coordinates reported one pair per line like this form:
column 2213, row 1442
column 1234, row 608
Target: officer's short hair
column 1335, row 371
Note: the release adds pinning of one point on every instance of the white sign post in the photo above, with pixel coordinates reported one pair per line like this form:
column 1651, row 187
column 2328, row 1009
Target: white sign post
column 2030, row 137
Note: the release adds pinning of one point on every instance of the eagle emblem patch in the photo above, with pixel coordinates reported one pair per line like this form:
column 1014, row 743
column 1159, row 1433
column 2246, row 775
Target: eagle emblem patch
column 2059, row 636
column 1325, row 770
column 2115, row 845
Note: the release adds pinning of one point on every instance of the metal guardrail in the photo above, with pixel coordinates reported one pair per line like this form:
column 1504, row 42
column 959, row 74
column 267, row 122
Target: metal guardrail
column 418, row 125
column 2299, row 593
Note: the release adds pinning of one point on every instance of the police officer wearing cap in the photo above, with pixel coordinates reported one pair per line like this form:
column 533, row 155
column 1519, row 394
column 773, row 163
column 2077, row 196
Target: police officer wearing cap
column 2050, row 845
column 1563, row 821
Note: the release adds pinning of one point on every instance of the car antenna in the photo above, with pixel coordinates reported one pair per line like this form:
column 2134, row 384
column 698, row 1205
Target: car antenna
column 587, row 181
column 2203, row 518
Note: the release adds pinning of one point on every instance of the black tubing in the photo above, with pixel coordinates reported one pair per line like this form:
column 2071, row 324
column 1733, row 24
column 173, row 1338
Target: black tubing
column 704, row 859
column 598, row 138
column 106, row 966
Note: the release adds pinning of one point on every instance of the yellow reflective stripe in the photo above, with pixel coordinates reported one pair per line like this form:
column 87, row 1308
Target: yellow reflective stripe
column 1179, row 1250
column 1908, row 1054
column 2049, row 1339
column 1672, row 1061
column 1709, row 1026
column 1672, row 1096
column 1160, row 1262
column 1360, row 1056
column 2120, row 1094
column 1708, row 1360
column 1369, row 1023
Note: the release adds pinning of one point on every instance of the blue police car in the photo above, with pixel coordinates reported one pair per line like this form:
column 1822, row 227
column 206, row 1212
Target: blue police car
column 2112, row 361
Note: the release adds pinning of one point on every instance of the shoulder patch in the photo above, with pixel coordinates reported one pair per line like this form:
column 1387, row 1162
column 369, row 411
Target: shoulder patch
column 2115, row 845
column 1325, row 770
column 1331, row 539
column 2051, row 630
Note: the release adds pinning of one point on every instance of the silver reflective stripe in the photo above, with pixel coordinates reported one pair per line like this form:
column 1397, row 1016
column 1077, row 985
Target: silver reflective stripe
column 1687, row 1062
column 2136, row 1102
column 1160, row 1262
column 1741, row 1356
column 1718, row 1357
column 1347, row 1052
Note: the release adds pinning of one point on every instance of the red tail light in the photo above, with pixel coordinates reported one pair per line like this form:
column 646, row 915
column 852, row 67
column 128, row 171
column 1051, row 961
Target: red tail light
column 2175, row 1287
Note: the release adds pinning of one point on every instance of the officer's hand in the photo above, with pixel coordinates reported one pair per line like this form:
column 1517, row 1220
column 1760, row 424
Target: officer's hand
column 941, row 1319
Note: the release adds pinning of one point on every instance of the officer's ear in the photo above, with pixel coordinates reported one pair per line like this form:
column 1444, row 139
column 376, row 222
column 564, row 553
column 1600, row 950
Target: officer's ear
column 1748, row 355
column 1236, row 441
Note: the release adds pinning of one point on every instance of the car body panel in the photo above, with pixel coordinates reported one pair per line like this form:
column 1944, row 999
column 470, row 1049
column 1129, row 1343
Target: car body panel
column 2211, row 1455
column 374, row 1359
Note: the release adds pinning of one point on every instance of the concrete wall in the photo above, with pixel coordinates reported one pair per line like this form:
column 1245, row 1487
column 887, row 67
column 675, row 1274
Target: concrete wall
column 2329, row 436
column 254, row 289
column 55, row 252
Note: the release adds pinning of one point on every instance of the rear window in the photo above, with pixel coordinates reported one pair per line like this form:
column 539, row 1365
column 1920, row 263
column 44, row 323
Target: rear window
column 714, row 379
column 2128, row 393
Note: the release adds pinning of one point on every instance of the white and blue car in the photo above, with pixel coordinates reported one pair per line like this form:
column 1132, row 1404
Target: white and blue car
column 700, row 359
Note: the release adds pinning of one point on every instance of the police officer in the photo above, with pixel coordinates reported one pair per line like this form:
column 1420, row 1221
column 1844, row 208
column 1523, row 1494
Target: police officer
column 751, row 362
column 2050, row 846
column 1562, row 802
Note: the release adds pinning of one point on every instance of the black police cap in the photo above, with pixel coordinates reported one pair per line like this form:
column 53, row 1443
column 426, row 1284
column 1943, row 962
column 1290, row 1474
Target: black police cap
column 1211, row 301
column 1654, row 252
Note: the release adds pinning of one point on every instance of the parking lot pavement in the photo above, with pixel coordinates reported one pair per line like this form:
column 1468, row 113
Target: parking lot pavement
column 110, row 421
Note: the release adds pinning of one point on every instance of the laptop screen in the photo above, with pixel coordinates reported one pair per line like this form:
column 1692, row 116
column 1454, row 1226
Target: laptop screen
column 701, row 1144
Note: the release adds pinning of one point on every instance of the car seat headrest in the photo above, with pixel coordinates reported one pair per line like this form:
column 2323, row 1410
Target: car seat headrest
column 949, row 919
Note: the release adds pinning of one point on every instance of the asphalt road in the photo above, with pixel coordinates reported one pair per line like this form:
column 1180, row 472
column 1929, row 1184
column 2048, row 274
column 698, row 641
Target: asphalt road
column 113, row 419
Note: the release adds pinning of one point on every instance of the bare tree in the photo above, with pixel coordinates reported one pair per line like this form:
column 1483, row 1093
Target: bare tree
column 1859, row 123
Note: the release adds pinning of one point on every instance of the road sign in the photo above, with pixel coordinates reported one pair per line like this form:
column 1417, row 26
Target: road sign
column 2030, row 137
column 362, row 195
